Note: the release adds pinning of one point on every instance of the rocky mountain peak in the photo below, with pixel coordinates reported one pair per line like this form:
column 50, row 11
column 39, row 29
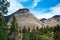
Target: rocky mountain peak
column 23, row 11
column 43, row 19
column 56, row 16
column 25, row 18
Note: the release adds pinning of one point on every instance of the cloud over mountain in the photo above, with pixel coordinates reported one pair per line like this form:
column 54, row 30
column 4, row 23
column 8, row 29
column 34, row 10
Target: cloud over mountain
column 45, row 13
column 14, row 6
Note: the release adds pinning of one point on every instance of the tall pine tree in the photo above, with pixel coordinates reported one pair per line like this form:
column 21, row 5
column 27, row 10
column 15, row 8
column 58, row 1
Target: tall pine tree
column 4, row 4
column 13, row 29
column 3, row 28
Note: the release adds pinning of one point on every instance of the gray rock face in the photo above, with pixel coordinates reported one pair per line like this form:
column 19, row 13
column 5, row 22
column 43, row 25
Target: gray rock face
column 25, row 18
column 51, row 22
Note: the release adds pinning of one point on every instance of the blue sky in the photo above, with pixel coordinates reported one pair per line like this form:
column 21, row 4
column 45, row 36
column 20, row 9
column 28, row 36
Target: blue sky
column 40, row 8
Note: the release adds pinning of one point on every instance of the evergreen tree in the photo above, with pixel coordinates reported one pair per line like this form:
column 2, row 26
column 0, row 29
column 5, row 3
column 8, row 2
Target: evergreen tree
column 37, row 28
column 28, row 29
column 3, row 24
column 13, row 29
column 20, row 31
column 24, row 30
column 57, row 32
column 3, row 28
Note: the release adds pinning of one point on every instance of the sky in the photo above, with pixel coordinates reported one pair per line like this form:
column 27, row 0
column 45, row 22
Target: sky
column 40, row 8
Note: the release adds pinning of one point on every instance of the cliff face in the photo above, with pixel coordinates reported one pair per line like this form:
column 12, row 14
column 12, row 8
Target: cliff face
column 25, row 18
column 51, row 22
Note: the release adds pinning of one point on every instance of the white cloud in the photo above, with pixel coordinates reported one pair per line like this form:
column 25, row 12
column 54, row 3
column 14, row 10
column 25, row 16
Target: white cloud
column 35, row 3
column 23, row 0
column 41, row 14
column 14, row 6
column 54, row 11
column 47, row 15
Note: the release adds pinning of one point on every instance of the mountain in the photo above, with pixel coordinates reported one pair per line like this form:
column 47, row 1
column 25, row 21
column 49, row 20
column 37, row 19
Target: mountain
column 51, row 22
column 56, row 16
column 43, row 19
column 25, row 18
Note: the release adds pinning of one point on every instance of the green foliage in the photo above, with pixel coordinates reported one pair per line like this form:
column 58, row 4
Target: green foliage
column 57, row 36
column 57, row 28
column 31, row 35
column 3, row 24
column 13, row 28
column 46, row 33
column 3, row 28
column 57, row 32
column 4, row 4
column 28, row 30
column 24, row 30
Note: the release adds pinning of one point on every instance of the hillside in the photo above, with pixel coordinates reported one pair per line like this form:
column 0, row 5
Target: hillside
column 55, row 20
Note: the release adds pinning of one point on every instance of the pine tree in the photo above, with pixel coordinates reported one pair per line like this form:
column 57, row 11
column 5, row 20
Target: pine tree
column 3, row 28
column 4, row 4
column 28, row 29
column 37, row 28
column 57, row 32
column 13, row 29
column 24, row 30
